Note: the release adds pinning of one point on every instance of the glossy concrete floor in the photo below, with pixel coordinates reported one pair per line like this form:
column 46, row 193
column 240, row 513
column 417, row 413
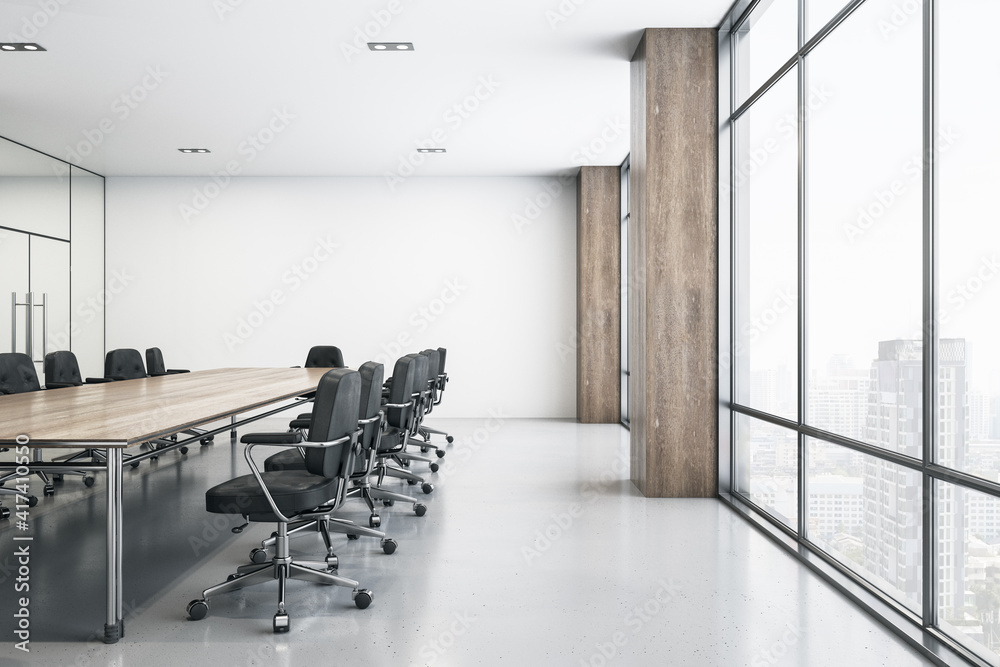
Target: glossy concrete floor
column 535, row 550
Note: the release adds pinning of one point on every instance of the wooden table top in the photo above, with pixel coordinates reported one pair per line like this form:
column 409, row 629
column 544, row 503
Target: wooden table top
column 123, row 413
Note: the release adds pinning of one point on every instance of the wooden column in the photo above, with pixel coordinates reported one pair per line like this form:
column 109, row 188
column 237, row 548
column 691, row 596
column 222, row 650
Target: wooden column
column 598, row 301
column 673, row 293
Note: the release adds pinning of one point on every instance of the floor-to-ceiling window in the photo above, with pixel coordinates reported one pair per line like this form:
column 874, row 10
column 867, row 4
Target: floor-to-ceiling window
column 865, row 298
column 624, row 291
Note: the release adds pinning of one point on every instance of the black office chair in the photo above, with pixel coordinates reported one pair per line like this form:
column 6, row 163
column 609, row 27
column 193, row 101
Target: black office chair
column 437, row 393
column 122, row 364
column 289, row 495
column 422, row 387
column 370, row 420
column 155, row 365
column 401, row 409
column 427, row 403
column 61, row 370
column 325, row 356
column 18, row 376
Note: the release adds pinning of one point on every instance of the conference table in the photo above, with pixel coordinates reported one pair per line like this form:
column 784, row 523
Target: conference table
column 112, row 416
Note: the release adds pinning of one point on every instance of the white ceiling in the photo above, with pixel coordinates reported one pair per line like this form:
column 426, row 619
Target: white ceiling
column 124, row 84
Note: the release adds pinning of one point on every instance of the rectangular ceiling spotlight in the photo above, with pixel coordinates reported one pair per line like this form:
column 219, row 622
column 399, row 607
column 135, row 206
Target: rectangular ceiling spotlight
column 390, row 46
column 21, row 46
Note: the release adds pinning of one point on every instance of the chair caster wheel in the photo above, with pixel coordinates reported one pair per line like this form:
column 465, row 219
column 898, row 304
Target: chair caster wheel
column 280, row 623
column 352, row 536
column 134, row 464
column 4, row 512
column 32, row 501
column 184, row 450
column 411, row 482
column 88, row 481
column 427, row 487
column 154, row 457
column 435, row 467
column 205, row 441
column 197, row 609
column 440, row 452
column 389, row 545
column 362, row 598
column 419, row 509
column 388, row 503
column 374, row 521
column 259, row 556
column 57, row 478
column 450, row 439
column 332, row 562
column 49, row 490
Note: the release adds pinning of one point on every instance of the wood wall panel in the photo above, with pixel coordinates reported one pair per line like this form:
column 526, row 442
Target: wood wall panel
column 598, row 312
column 674, row 407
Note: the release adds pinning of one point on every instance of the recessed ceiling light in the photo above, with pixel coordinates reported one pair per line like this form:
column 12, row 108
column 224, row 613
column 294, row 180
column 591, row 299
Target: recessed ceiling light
column 390, row 46
column 431, row 150
column 194, row 150
column 21, row 46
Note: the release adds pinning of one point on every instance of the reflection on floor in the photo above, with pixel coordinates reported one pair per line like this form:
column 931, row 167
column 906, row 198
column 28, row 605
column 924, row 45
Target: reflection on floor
column 535, row 550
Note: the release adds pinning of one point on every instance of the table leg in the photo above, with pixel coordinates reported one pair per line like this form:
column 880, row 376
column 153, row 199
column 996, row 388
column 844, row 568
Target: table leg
column 114, row 629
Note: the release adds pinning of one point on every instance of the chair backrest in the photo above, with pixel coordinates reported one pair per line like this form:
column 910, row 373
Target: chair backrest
column 372, row 375
column 124, row 363
column 401, row 391
column 423, row 372
column 62, row 368
column 17, row 374
column 444, row 355
column 335, row 414
column 434, row 363
column 325, row 356
column 154, row 361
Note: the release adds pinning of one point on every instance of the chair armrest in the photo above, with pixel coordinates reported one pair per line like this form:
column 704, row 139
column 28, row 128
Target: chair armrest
column 116, row 378
column 285, row 438
column 60, row 385
column 352, row 438
column 371, row 420
column 299, row 423
column 177, row 371
column 156, row 375
column 98, row 380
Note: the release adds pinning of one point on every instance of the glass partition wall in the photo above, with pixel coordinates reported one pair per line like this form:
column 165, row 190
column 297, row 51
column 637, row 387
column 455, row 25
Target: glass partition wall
column 865, row 297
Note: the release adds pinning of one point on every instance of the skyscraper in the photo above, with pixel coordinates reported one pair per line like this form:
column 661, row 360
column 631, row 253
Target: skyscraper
column 892, row 502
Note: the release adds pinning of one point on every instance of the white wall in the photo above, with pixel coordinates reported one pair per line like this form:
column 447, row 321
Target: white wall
column 246, row 275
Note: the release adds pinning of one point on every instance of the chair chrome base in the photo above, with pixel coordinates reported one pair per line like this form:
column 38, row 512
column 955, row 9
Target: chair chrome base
column 282, row 568
column 427, row 432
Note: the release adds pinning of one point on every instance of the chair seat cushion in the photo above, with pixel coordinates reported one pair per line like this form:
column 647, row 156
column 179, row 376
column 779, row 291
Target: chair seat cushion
column 290, row 459
column 294, row 491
